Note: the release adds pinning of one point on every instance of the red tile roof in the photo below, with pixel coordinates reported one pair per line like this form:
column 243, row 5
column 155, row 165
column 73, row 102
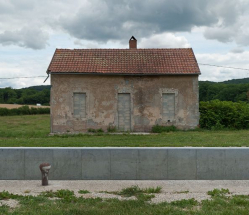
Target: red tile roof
column 124, row 61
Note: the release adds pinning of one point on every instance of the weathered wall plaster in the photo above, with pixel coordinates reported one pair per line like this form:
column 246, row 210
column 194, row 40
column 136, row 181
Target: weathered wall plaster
column 101, row 101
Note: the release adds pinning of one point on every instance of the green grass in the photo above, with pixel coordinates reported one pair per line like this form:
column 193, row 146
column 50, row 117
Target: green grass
column 33, row 130
column 218, row 192
column 83, row 191
column 135, row 191
column 67, row 203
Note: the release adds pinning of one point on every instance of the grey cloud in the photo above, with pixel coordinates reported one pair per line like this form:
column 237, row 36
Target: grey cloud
column 237, row 50
column 26, row 37
column 233, row 23
column 112, row 20
column 105, row 20
column 221, row 34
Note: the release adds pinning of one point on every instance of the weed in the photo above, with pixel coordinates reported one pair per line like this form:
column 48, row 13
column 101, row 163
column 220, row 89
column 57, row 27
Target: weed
column 59, row 193
column 100, row 130
column 64, row 193
column 141, row 194
column 218, row 192
column 6, row 195
column 112, row 129
column 92, row 130
column 4, row 209
column 48, row 193
column 130, row 191
column 152, row 190
column 144, row 197
column 160, row 128
column 185, row 203
column 180, row 192
column 83, row 191
column 27, row 191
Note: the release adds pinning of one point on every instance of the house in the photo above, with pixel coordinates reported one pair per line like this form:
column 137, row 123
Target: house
column 127, row 89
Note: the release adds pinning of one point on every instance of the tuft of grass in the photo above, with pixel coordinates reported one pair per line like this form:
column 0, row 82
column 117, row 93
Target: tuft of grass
column 48, row 193
column 100, row 130
column 218, row 192
column 4, row 195
column 185, row 203
column 130, row 191
column 59, row 193
column 185, row 191
column 140, row 194
column 83, row 191
column 92, row 130
column 112, row 129
column 152, row 190
column 160, row 128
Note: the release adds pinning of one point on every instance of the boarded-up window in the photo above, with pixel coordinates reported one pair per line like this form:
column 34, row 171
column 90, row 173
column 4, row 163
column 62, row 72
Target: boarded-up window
column 79, row 105
column 124, row 111
column 168, row 107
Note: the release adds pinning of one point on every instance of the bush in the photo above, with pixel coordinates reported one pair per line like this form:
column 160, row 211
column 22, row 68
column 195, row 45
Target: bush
column 111, row 128
column 24, row 110
column 160, row 128
column 91, row 130
column 218, row 115
column 4, row 112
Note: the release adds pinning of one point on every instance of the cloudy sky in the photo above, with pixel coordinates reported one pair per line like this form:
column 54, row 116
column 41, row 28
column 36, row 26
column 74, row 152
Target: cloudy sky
column 31, row 30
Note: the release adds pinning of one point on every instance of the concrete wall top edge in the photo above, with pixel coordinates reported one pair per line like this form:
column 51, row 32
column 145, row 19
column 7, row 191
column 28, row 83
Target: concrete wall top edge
column 67, row 148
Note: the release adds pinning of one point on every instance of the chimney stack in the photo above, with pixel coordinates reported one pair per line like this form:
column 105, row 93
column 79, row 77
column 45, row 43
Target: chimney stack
column 133, row 43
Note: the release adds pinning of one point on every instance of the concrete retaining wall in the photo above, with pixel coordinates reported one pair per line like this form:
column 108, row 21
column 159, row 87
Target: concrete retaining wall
column 162, row 163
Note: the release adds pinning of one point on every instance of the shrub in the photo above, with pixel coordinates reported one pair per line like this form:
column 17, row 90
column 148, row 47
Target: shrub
column 91, row 130
column 160, row 128
column 217, row 115
column 100, row 130
column 111, row 128
column 4, row 112
column 24, row 110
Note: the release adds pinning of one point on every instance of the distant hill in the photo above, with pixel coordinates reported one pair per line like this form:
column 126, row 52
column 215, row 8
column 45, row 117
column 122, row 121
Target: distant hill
column 233, row 81
column 233, row 90
column 236, row 81
column 39, row 88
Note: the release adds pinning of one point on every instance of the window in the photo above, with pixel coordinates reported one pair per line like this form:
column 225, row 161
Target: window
column 79, row 105
column 168, row 107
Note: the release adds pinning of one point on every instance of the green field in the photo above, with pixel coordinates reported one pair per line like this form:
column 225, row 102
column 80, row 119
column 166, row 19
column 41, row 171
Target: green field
column 33, row 130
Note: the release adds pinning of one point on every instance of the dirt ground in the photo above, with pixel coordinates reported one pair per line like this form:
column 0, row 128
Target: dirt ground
column 11, row 106
column 171, row 190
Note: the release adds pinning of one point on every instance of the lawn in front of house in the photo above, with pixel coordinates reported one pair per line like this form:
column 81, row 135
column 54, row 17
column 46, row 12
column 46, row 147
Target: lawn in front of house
column 33, row 130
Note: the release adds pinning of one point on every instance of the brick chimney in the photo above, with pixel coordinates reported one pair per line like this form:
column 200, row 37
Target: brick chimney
column 133, row 43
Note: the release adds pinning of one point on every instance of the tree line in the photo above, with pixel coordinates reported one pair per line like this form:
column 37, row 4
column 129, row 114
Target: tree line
column 223, row 91
column 31, row 95
column 233, row 90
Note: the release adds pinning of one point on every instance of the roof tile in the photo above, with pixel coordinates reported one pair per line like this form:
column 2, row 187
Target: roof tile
column 124, row 61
